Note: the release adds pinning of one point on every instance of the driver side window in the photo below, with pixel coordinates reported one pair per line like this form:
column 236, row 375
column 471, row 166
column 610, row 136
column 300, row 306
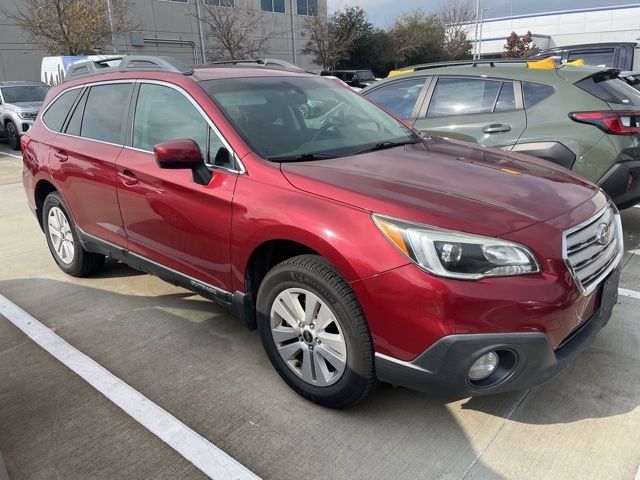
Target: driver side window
column 164, row 114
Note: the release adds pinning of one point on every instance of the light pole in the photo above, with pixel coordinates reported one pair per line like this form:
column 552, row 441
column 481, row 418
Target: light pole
column 480, row 39
column 113, row 35
column 475, row 38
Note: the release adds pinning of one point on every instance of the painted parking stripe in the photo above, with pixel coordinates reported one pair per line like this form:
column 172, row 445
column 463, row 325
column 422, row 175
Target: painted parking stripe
column 629, row 293
column 11, row 155
column 198, row 450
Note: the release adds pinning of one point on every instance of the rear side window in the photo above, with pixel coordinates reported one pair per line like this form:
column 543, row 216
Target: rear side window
column 611, row 90
column 601, row 58
column 463, row 96
column 164, row 114
column 57, row 112
column 535, row 93
column 398, row 97
column 104, row 114
column 506, row 99
column 75, row 122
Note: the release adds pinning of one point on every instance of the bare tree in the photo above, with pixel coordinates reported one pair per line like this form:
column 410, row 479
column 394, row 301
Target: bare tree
column 455, row 16
column 72, row 27
column 237, row 33
column 328, row 42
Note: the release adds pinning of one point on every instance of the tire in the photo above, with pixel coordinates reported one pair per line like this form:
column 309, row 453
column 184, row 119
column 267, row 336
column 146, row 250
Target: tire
column 329, row 360
column 11, row 132
column 63, row 241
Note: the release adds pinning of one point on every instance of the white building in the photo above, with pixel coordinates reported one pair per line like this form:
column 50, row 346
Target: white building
column 560, row 28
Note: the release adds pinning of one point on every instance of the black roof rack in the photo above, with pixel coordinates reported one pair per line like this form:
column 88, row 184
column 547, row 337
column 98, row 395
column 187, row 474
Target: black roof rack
column 257, row 62
column 461, row 63
column 127, row 63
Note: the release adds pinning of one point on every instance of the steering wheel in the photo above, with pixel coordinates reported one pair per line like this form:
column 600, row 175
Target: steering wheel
column 324, row 128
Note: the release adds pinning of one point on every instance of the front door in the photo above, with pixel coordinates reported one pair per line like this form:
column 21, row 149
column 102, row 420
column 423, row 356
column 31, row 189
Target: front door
column 169, row 218
column 480, row 110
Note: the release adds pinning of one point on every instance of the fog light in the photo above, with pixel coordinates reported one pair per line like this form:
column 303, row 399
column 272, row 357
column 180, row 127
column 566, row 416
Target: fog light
column 483, row 366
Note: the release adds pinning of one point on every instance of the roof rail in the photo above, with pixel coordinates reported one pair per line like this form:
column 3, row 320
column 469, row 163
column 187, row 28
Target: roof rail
column 460, row 63
column 260, row 62
column 127, row 63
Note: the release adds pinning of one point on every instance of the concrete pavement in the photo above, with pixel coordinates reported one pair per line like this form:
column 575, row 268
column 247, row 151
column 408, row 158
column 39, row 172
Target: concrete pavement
column 198, row 363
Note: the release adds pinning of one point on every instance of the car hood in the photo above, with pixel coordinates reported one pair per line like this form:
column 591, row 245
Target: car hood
column 28, row 106
column 449, row 184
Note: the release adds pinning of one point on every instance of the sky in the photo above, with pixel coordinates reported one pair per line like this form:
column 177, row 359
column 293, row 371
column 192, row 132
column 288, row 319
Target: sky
column 384, row 12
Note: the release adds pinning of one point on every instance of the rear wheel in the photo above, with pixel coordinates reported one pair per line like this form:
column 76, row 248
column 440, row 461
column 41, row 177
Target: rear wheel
column 63, row 242
column 315, row 333
column 12, row 135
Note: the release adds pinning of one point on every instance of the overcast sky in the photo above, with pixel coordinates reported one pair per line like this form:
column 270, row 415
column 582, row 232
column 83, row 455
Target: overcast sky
column 383, row 12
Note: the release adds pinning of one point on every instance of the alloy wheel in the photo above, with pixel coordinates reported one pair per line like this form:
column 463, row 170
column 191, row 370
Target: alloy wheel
column 60, row 235
column 308, row 337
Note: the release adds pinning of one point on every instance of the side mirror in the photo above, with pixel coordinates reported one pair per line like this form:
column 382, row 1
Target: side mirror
column 183, row 154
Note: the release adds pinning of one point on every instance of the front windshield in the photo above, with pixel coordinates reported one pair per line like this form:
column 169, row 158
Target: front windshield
column 366, row 75
column 287, row 117
column 24, row 93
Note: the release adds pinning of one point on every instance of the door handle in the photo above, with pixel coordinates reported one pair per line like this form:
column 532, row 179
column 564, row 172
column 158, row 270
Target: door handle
column 61, row 155
column 128, row 177
column 497, row 128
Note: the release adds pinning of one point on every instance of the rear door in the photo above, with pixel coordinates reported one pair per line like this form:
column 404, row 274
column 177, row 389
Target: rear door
column 83, row 158
column 483, row 110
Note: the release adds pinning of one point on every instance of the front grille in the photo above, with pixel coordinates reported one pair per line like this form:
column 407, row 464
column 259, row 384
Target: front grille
column 589, row 256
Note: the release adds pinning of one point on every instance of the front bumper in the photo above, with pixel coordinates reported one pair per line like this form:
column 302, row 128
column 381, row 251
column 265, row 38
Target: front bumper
column 442, row 368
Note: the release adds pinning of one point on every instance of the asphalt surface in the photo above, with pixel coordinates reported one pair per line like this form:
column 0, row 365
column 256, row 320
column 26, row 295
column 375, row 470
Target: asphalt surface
column 197, row 362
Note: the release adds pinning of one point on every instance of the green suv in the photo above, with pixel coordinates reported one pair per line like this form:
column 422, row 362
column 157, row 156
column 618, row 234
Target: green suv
column 583, row 118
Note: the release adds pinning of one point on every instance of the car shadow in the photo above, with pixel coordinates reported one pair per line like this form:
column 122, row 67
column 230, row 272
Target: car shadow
column 432, row 436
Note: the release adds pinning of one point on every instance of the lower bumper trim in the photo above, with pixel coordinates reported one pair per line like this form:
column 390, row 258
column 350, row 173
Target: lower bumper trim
column 442, row 368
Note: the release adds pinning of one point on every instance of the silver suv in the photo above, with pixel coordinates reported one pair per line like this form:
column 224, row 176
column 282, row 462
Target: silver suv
column 19, row 105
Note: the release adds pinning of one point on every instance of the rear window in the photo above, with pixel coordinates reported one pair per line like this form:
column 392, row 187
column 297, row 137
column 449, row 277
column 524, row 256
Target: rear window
column 57, row 112
column 611, row 90
column 535, row 93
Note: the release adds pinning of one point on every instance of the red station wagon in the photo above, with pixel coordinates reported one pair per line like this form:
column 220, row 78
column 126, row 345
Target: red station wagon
column 360, row 250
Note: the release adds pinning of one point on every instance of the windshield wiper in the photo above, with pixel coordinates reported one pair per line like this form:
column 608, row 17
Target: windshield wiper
column 387, row 144
column 302, row 157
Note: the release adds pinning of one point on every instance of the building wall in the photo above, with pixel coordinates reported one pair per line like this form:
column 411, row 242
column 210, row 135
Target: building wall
column 163, row 20
column 557, row 29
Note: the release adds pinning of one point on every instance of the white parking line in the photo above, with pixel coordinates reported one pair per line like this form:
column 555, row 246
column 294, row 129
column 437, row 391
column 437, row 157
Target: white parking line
column 629, row 293
column 198, row 450
column 11, row 155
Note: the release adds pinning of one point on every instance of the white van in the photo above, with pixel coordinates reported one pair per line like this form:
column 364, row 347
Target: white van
column 54, row 69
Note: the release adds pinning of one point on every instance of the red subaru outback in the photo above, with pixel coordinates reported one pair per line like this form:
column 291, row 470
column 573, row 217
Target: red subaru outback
column 359, row 249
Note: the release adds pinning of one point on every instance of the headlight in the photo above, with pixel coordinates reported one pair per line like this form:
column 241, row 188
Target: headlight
column 448, row 253
column 25, row 115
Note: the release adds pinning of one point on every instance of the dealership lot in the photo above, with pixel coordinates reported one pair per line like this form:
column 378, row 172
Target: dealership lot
column 197, row 363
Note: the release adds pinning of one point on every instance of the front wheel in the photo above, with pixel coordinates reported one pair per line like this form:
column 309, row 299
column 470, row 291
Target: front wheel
column 315, row 333
column 12, row 135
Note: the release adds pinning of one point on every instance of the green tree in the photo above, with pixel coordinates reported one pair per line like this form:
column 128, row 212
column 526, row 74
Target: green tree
column 354, row 19
column 517, row 46
column 329, row 42
column 417, row 37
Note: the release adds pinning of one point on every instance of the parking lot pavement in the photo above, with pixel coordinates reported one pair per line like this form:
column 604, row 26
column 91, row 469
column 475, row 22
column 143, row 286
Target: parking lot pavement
column 198, row 363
